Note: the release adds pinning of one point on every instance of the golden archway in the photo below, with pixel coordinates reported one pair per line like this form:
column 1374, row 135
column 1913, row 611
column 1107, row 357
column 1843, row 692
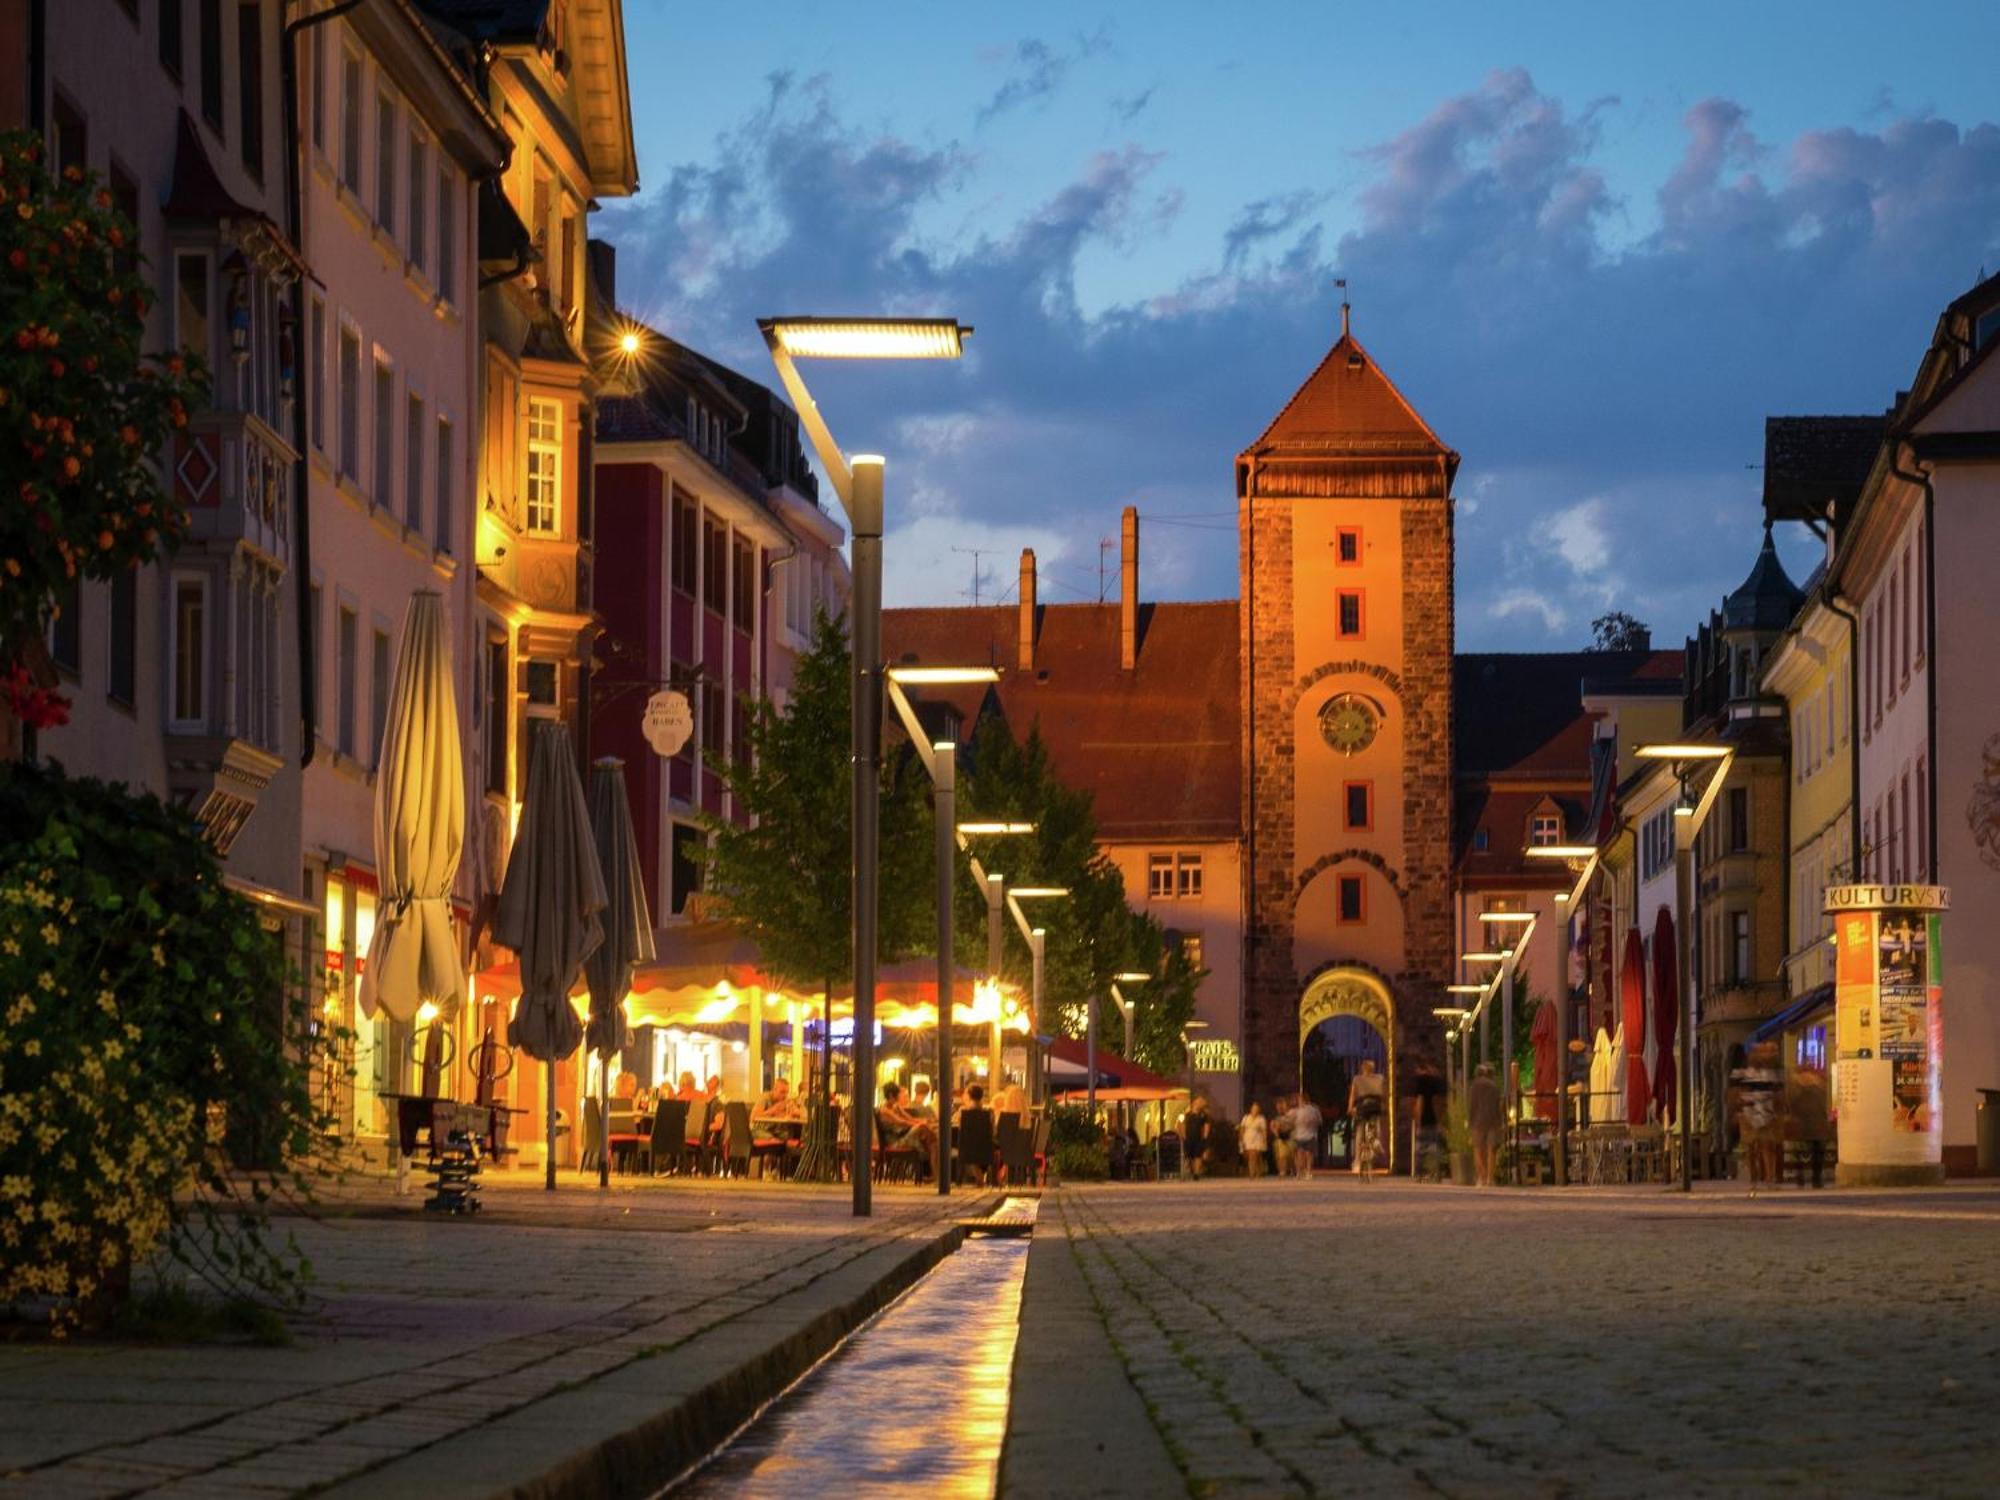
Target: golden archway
column 1358, row 993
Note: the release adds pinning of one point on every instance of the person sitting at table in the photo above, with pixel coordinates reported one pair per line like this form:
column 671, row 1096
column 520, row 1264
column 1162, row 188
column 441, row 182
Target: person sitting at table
column 902, row 1126
column 921, row 1104
column 687, row 1090
column 1012, row 1100
column 774, row 1110
column 713, row 1118
column 975, row 1098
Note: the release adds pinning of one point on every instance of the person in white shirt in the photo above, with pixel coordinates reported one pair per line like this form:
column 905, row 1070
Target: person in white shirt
column 1253, row 1133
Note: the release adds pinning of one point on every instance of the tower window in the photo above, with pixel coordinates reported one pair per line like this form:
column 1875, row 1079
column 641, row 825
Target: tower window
column 1359, row 797
column 1349, row 616
column 1352, row 900
column 1347, row 546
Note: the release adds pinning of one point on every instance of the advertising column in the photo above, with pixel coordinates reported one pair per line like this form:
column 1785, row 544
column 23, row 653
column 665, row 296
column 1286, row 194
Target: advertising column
column 1889, row 1019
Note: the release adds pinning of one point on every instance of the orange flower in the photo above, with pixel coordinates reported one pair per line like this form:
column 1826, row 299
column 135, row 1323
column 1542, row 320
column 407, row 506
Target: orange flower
column 130, row 434
column 104, row 541
column 71, row 467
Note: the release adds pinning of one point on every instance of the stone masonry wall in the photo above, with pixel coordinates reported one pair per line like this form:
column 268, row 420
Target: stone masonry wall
column 1428, row 639
column 1270, row 988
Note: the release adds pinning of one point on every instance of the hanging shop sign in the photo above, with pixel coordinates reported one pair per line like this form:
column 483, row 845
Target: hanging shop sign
column 1889, row 1030
column 669, row 722
column 1215, row 1055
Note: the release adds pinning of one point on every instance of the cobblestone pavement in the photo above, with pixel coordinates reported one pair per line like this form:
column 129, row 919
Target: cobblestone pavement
column 424, row 1328
column 1339, row 1338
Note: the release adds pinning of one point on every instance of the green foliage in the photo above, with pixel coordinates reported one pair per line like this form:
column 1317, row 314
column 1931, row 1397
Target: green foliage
column 155, row 1067
column 1071, row 1125
column 785, row 880
column 84, row 412
column 1457, row 1126
column 1092, row 933
column 1526, row 1003
column 1080, row 1163
column 1618, row 631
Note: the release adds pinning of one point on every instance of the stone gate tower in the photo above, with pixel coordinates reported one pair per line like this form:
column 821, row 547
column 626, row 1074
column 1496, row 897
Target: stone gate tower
column 1344, row 512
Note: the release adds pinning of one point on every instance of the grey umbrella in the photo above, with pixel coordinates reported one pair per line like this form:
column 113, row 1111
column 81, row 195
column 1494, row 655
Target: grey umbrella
column 549, row 906
column 628, row 933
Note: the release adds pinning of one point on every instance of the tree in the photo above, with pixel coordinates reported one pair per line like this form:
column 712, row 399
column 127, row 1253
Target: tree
column 1092, row 934
column 784, row 878
column 85, row 413
column 1618, row 631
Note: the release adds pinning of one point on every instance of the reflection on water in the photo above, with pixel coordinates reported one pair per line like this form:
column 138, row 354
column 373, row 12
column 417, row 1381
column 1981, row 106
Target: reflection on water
column 916, row 1403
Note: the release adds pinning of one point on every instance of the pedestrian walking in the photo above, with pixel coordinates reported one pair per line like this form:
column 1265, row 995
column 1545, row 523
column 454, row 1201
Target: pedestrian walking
column 1367, row 1104
column 1194, row 1136
column 1253, row 1134
column 1484, row 1117
column 1756, row 1090
column 1281, row 1137
column 1811, row 1126
column 1306, row 1123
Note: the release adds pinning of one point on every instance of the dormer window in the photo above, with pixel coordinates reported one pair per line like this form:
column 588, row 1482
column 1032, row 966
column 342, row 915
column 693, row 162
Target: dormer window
column 1544, row 830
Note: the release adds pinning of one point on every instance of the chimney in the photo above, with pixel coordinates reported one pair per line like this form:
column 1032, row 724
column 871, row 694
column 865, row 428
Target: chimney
column 1027, row 653
column 1128, row 589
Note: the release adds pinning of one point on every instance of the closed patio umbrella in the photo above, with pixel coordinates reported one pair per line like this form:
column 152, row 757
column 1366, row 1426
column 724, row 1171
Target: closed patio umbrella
column 1666, row 1011
column 419, row 827
column 1632, row 1025
column 1542, row 1038
column 549, row 908
column 628, row 933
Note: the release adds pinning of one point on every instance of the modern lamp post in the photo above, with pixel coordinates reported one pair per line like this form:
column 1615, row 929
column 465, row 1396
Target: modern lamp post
column 1688, row 819
column 1128, row 1009
column 1522, row 924
column 1587, row 856
column 1037, row 940
column 859, row 488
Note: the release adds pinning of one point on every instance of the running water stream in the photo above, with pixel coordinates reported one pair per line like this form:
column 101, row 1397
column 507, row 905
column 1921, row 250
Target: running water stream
column 914, row 1403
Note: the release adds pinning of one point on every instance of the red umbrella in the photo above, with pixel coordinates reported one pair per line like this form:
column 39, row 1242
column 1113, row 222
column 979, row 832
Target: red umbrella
column 1542, row 1037
column 1632, row 1007
column 1666, row 1009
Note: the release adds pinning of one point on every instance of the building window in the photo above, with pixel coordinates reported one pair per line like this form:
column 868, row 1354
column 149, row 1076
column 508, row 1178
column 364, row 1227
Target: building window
column 687, row 851
column 499, row 716
column 413, row 462
column 1481, row 840
column 540, row 680
column 447, row 235
column 714, row 720
column 315, row 627
column 1544, row 830
column 191, row 302
column 385, row 164
column 1922, row 869
column 420, row 186
column 210, row 22
column 544, row 467
column 378, row 694
column 1187, row 875
column 69, row 137
column 385, row 433
column 316, row 86
column 1160, row 876
column 1191, row 950
column 1352, row 898
column 743, row 599
column 1347, row 546
column 350, row 122
column 124, row 654
column 345, row 644
column 1359, row 800
column 739, row 732
column 350, row 404
column 445, row 451
column 1347, row 604
column 66, row 629
column 172, row 36
column 1909, row 868
column 250, row 83
column 714, row 562
column 1739, row 947
column 686, row 546
column 1739, row 819
column 315, row 367
column 189, row 698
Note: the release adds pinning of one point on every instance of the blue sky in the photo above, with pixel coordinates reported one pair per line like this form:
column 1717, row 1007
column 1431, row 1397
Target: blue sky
column 1594, row 245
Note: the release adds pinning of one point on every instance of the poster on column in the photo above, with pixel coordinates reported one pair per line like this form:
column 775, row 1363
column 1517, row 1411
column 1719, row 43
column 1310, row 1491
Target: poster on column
column 1854, row 984
column 1903, row 1017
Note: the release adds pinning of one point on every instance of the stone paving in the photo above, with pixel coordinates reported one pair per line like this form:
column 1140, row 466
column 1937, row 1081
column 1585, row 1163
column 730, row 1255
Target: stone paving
column 424, row 1329
column 1338, row 1338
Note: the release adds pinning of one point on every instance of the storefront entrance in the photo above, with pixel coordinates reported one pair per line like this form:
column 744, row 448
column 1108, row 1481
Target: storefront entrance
column 1346, row 1017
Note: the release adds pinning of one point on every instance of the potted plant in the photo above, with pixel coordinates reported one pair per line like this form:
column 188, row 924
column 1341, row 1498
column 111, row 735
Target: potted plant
column 1458, row 1141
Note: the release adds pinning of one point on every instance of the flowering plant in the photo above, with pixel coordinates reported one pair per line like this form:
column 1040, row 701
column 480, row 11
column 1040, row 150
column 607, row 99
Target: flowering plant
column 85, row 413
column 154, row 1081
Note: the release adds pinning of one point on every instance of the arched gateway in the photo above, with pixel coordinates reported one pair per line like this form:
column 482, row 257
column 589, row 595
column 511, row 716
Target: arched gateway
column 1346, row 1016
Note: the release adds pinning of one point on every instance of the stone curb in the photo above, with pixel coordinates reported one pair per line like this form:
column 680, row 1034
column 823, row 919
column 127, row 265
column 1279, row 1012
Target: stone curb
column 631, row 1432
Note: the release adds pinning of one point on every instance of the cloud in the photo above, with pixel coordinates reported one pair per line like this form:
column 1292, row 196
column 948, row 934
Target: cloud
column 1038, row 72
column 1606, row 386
column 1128, row 108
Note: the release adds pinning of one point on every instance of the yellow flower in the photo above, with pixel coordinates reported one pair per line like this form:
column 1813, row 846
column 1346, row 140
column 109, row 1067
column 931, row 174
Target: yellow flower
column 32, row 1047
column 11, row 948
column 159, row 955
column 46, row 980
column 51, row 934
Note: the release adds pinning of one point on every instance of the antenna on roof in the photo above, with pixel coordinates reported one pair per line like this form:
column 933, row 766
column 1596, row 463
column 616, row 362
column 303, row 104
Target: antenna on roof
column 977, row 553
column 1341, row 282
column 1104, row 545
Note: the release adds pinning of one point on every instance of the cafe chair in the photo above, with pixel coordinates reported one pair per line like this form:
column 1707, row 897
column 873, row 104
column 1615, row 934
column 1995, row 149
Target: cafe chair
column 669, row 1139
column 593, row 1136
column 736, row 1138
column 975, row 1145
column 624, row 1138
column 1017, row 1150
column 894, row 1163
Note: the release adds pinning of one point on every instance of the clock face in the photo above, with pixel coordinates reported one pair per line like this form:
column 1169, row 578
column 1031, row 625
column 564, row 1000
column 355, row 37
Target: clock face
column 1349, row 723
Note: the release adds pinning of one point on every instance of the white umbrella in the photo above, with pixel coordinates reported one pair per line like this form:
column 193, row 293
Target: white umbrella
column 549, row 905
column 628, row 933
column 419, row 827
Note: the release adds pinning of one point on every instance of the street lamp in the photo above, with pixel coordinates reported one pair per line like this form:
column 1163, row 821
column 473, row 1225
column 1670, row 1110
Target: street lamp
column 940, row 762
column 1036, row 938
column 1570, row 900
column 1127, row 1008
column 1497, row 956
column 859, row 489
column 1687, row 823
column 1524, row 923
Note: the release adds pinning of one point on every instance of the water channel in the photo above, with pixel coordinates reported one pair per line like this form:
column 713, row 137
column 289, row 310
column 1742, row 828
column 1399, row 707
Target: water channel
column 914, row 1403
